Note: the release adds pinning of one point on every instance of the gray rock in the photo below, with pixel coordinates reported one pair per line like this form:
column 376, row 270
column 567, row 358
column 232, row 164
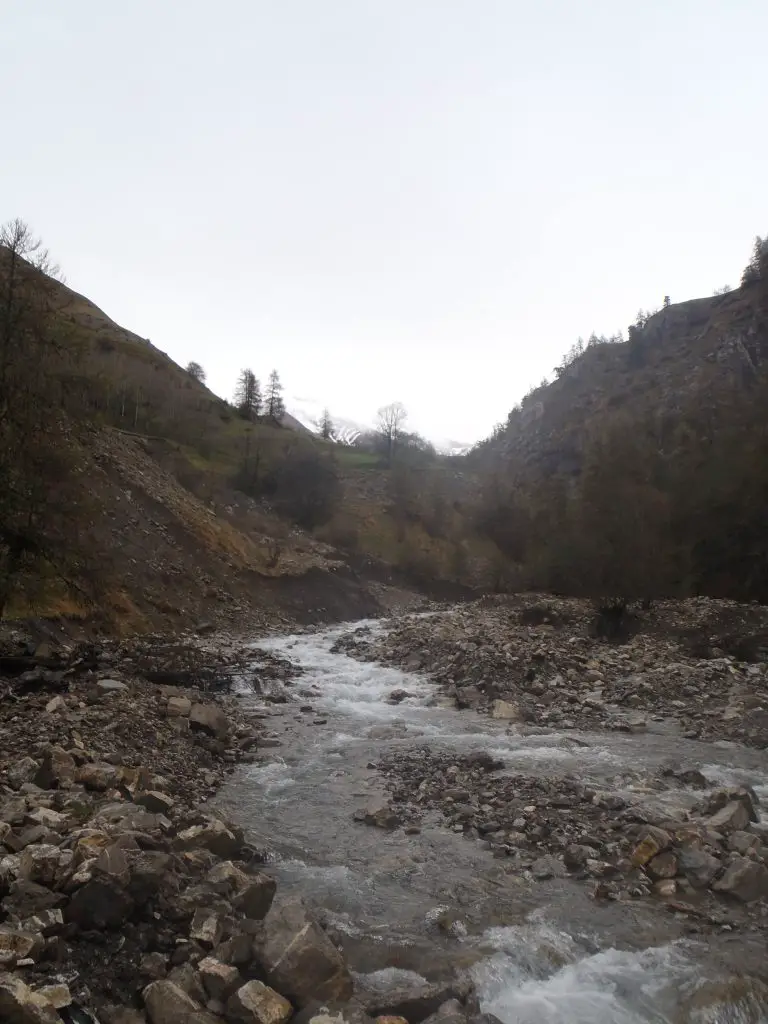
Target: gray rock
column 22, row 771
column 219, row 980
column 745, row 879
column 166, row 1003
column 16, row 945
column 214, row 835
column 109, row 686
column 57, row 770
column 299, row 959
column 256, row 900
column 734, row 816
column 178, row 707
column 100, row 903
column 209, row 718
column 698, row 866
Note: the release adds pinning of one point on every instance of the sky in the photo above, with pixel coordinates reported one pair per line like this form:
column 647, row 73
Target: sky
column 423, row 201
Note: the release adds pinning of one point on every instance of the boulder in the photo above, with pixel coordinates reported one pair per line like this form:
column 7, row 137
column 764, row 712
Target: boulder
column 664, row 865
column 20, row 1005
column 97, row 776
column 416, row 1001
column 99, row 903
column 111, row 686
column 22, row 771
column 178, row 707
column 720, row 797
column 256, row 1003
column 206, row 927
column 155, row 802
column 16, row 944
column 209, row 718
column 40, row 863
column 398, row 696
column 299, row 958
column 213, row 835
column 57, row 770
column 653, row 841
column 256, row 900
column 732, row 817
column 380, row 815
column 56, row 995
column 745, row 879
column 166, row 1003
column 219, row 980
column 698, row 866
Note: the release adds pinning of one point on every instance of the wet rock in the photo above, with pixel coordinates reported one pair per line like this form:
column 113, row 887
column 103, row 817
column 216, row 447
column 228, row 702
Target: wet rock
column 744, row 842
column 664, row 865
column 210, row 719
column 717, row 800
column 20, row 1005
column 734, row 816
column 745, row 879
column 506, row 710
column 219, row 980
column 547, row 867
column 653, row 841
column 698, row 866
column 300, row 959
column 22, row 771
column 451, row 1012
column 256, row 1003
column 416, row 1001
column 468, row 697
column 56, row 770
column 166, row 1003
column 379, row 815
column 482, row 759
column 397, row 696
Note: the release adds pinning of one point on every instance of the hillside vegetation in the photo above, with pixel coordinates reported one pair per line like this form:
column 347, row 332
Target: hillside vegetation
column 131, row 492
column 642, row 469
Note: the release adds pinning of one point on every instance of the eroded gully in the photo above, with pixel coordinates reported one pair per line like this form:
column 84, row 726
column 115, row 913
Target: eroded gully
column 538, row 951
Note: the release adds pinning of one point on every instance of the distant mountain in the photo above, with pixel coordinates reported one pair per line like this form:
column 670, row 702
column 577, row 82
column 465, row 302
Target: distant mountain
column 309, row 413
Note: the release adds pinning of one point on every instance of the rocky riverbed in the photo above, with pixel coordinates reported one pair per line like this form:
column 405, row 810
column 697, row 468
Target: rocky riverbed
column 206, row 830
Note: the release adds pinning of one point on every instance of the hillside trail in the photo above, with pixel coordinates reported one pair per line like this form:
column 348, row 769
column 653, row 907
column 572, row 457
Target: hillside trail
column 404, row 904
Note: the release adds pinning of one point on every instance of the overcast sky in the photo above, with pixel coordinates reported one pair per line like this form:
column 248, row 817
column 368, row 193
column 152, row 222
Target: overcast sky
column 415, row 200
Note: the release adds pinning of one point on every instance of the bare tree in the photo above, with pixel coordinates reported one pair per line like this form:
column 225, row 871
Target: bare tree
column 195, row 370
column 390, row 423
column 275, row 407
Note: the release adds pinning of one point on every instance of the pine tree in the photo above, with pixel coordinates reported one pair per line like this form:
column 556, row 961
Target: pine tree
column 326, row 426
column 275, row 407
column 248, row 395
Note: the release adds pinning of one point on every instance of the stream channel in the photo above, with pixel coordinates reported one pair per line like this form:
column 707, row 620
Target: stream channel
column 538, row 952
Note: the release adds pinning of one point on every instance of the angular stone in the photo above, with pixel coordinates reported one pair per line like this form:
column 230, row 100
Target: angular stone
column 213, row 835
column 100, row 903
column 40, row 864
column 733, row 817
column 57, row 770
column 48, row 818
column 97, row 776
column 208, row 718
column 206, row 927
column 149, row 871
column 744, row 842
column 380, row 816
column 16, row 944
column 653, row 841
column 745, row 879
column 257, row 898
column 112, row 861
column 178, row 707
column 219, row 980
column 22, row 771
column 415, row 1001
column 698, row 866
column 155, row 802
column 300, row 959
column 55, row 705
column 111, row 686
column 14, row 811
column 166, row 1003
column 20, row 1005
column 665, row 887
column 506, row 710
column 664, row 865
column 256, row 1003
column 57, row 995
column 720, row 797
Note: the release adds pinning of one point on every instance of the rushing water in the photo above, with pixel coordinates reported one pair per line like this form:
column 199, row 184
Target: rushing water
column 539, row 953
